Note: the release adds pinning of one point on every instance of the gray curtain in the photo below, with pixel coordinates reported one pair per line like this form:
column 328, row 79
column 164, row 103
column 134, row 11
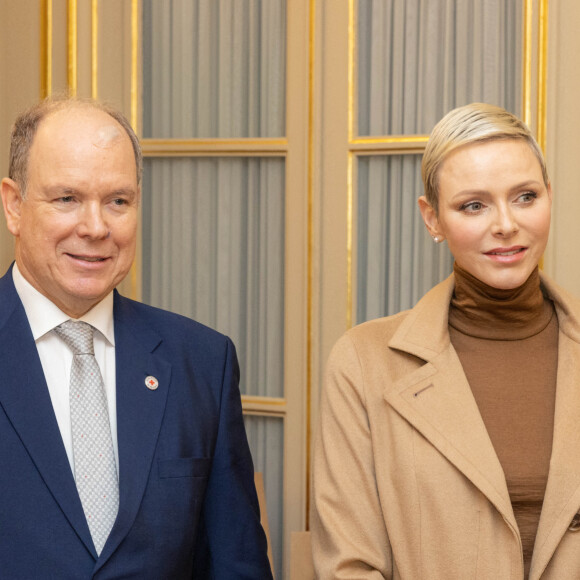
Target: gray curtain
column 418, row 59
column 214, row 68
column 397, row 260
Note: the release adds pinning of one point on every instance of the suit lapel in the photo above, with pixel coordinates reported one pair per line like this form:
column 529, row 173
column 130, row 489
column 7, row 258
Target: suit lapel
column 437, row 400
column 26, row 401
column 139, row 413
column 562, row 497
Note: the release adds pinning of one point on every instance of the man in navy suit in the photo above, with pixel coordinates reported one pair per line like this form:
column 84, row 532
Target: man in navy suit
column 184, row 504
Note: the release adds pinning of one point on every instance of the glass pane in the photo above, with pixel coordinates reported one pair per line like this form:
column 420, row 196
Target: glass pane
column 214, row 68
column 213, row 250
column 397, row 261
column 416, row 60
column 266, row 438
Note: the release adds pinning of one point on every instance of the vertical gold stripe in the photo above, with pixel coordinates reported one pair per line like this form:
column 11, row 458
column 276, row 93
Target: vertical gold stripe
column 310, row 243
column 45, row 48
column 349, row 240
column 72, row 47
column 351, row 132
column 527, row 80
column 134, row 275
column 351, row 69
column 542, row 73
column 95, row 49
column 135, row 64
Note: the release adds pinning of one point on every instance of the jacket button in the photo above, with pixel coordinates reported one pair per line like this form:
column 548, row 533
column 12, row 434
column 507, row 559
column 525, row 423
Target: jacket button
column 575, row 523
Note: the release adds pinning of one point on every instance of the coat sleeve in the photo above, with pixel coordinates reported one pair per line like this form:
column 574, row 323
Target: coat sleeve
column 232, row 543
column 349, row 536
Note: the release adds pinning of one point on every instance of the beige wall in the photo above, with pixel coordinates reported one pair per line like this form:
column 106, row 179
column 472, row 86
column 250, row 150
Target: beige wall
column 19, row 82
column 563, row 143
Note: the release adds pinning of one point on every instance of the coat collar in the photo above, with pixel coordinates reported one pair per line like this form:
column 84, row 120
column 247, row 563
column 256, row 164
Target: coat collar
column 562, row 498
column 437, row 400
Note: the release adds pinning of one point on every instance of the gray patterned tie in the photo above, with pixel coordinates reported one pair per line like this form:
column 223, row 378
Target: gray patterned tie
column 95, row 468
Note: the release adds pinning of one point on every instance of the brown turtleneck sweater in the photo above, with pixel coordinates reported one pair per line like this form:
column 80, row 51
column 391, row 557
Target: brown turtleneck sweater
column 507, row 342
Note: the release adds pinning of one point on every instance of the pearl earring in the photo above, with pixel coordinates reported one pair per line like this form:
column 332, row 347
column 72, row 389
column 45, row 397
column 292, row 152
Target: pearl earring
column 436, row 239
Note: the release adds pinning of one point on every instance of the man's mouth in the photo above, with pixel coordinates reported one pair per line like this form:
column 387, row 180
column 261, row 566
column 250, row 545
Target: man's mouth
column 88, row 258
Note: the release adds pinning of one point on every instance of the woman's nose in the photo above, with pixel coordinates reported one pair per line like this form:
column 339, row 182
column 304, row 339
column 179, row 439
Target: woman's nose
column 505, row 223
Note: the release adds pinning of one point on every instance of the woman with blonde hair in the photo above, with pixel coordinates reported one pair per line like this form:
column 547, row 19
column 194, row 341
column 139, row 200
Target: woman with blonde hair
column 449, row 438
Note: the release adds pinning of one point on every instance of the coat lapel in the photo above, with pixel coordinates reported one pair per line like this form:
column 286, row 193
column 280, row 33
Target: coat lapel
column 26, row 401
column 437, row 400
column 562, row 498
column 139, row 413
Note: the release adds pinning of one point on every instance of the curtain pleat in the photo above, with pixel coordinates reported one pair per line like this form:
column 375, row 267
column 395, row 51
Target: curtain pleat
column 214, row 68
column 397, row 262
column 417, row 60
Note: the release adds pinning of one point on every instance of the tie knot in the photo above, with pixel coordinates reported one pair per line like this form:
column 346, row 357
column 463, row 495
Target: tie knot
column 78, row 335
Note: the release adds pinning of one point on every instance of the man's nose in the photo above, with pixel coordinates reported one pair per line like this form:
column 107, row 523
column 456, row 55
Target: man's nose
column 92, row 222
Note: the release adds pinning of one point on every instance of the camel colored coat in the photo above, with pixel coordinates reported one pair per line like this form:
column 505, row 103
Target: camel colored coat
column 407, row 484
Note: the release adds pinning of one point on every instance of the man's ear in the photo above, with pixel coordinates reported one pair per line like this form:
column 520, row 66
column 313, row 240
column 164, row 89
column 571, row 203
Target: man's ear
column 12, row 201
column 430, row 219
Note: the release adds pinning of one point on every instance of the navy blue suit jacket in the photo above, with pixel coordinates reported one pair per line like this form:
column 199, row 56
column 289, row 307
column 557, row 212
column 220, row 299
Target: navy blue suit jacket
column 188, row 506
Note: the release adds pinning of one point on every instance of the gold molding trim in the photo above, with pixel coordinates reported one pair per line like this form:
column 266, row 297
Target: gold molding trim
column 351, row 69
column 310, row 251
column 389, row 145
column 135, row 65
column 45, row 48
column 349, row 237
column 135, row 273
column 94, row 49
column 527, row 68
column 270, row 406
column 541, row 114
column 390, row 139
column 72, row 49
column 209, row 147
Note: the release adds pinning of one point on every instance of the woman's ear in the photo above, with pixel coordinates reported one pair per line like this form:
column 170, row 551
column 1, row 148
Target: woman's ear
column 431, row 220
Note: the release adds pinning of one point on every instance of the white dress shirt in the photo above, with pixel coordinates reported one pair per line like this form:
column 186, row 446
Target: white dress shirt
column 56, row 357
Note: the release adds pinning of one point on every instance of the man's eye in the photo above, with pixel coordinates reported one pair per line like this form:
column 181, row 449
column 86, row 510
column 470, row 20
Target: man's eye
column 66, row 198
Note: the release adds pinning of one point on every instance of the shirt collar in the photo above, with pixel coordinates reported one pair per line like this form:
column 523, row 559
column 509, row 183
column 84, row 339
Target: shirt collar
column 43, row 315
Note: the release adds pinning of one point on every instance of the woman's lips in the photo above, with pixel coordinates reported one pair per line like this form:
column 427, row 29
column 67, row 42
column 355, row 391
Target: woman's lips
column 507, row 255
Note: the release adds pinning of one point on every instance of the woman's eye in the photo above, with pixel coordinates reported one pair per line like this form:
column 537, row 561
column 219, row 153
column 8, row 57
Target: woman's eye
column 472, row 207
column 527, row 197
column 66, row 198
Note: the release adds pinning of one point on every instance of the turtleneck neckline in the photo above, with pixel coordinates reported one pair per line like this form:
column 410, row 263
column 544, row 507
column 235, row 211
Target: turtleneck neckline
column 486, row 312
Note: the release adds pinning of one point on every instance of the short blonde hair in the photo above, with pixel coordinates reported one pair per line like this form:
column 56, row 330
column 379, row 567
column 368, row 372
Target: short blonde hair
column 474, row 123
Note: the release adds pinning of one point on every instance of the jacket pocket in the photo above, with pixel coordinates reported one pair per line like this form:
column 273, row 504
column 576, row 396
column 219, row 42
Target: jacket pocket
column 184, row 467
